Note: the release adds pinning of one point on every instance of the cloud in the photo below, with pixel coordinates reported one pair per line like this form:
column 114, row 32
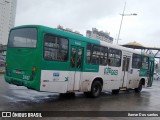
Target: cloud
column 103, row 14
column 72, row 13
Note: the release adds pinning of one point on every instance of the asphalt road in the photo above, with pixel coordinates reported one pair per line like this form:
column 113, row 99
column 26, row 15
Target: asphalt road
column 14, row 98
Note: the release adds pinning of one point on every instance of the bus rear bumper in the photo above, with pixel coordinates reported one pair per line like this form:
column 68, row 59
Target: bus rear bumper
column 20, row 82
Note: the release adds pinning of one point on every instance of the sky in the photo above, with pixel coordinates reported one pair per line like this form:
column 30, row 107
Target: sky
column 82, row 15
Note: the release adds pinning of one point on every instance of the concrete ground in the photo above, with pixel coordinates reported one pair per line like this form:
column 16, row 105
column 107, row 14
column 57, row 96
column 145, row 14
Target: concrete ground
column 14, row 98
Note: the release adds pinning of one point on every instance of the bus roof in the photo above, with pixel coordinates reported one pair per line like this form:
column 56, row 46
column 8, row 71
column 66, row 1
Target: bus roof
column 81, row 38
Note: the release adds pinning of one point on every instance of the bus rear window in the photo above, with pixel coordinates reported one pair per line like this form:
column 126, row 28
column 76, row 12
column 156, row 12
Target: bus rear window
column 23, row 38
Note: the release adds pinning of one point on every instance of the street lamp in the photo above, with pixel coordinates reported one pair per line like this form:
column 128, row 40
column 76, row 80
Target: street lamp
column 122, row 20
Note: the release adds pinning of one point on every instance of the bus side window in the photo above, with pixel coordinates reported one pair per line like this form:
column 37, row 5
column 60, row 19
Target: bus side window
column 79, row 59
column 55, row 48
column 145, row 60
column 73, row 57
column 88, row 53
column 136, row 61
column 95, row 55
column 103, row 55
column 114, row 57
column 99, row 55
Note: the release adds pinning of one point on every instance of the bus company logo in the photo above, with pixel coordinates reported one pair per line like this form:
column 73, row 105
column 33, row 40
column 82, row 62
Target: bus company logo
column 6, row 114
column 110, row 71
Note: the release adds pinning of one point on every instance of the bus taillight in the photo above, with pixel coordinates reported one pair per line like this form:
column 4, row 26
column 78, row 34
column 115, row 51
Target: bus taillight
column 33, row 73
column 34, row 69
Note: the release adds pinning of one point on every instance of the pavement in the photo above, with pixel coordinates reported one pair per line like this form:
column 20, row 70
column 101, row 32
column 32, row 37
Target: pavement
column 14, row 98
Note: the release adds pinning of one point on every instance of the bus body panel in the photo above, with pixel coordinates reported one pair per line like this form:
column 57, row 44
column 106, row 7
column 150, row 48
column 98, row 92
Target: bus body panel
column 20, row 61
column 66, row 76
column 54, row 81
column 126, row 69
column 111, row 77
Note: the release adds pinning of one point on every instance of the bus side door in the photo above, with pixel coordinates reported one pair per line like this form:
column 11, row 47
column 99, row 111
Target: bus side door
column 125, row 69
column 76, row 64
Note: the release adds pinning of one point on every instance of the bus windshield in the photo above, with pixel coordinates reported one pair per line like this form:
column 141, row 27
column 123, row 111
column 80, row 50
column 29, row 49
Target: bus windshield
column 23, row 38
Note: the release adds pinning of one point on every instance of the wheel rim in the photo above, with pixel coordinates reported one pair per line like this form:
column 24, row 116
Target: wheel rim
column 96, row 90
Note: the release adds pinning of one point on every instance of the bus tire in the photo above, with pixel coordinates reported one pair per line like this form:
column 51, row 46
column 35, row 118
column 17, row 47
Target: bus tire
column 115, row 92
column 139, row 89
column 96, row 89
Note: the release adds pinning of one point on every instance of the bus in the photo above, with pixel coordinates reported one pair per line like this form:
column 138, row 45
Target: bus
column 53, row 60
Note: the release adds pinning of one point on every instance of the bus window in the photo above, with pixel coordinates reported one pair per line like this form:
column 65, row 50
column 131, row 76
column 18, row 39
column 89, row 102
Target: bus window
column 55, row 48
column 136, row 61
column 99, row 55
column 103, row 56
column 115, row 57
column 88, row 58
column 79, row 59
column 73, row 57
column 95, row 54
column 145, row 62
column 23, row 38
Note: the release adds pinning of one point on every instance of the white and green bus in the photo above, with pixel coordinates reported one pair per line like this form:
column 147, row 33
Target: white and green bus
column 53, row 60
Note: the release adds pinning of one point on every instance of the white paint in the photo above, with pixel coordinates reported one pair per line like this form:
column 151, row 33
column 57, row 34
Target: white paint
column 59, row 83
column 131, row 80
column 55, row 83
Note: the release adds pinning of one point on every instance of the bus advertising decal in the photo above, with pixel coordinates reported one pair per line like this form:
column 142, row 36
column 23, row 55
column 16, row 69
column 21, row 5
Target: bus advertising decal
column 56, row 76
column 110, row 71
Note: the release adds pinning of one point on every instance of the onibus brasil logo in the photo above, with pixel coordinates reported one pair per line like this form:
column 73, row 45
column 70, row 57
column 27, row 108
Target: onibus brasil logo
column 110, row 71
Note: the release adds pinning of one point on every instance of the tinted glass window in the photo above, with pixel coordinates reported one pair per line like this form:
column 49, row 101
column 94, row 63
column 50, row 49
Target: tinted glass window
column 23, row 37
column 145, row 62
column 55, row 48
column 103, row 55
column 95, row 54
column 114, row 57
column 88, row 58
column 99, row 55
column 136, row 61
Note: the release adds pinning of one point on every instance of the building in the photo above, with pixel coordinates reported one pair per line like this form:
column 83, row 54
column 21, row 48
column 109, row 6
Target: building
column 68, row 30
column 99, row 35
column 7, row 18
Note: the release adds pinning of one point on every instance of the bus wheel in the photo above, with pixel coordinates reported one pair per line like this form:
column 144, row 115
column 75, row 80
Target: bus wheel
column 96, row 89
column 115, row 92
column 139, row 89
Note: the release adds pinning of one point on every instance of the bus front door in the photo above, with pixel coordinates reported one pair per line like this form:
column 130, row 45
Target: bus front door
column 125, row 68
column 76, row 60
